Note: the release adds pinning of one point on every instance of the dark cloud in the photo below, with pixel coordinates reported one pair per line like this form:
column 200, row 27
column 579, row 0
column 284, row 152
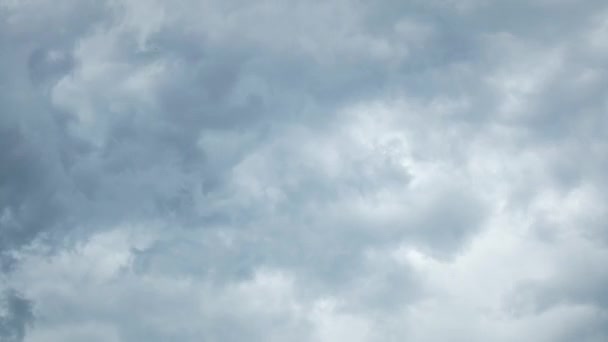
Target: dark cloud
column 15, row 317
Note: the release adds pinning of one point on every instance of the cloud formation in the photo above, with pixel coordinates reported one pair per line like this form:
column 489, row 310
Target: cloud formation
column 16, row 315
column 303, row 170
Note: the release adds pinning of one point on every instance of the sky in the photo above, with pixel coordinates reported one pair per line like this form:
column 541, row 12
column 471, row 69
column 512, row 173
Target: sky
column 304, row 171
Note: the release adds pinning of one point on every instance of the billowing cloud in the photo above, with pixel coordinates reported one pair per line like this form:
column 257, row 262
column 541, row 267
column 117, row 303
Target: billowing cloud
column 303, row 170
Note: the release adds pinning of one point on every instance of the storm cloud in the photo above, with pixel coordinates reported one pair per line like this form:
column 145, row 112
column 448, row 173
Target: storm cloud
column 205, row 170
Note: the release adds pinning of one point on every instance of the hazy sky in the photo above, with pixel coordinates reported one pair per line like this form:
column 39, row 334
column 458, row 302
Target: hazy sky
column 303, row 171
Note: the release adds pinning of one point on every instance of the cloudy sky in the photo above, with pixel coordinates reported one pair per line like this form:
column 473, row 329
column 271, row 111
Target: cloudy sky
column 303, row 170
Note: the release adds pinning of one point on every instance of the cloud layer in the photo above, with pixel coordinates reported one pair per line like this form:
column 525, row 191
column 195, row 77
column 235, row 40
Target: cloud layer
column 303, row 170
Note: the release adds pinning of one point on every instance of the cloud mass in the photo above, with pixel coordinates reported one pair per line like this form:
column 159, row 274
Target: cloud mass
column 203, row 170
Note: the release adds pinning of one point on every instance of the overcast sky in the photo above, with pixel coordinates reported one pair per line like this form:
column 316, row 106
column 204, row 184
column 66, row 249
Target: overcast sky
column 303, row 170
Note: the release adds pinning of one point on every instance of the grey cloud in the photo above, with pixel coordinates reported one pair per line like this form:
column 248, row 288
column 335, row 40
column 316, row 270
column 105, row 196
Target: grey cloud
column 45, row 64
column 338, row 160
column 27, row 196
column 16, row 315
column 564, row 288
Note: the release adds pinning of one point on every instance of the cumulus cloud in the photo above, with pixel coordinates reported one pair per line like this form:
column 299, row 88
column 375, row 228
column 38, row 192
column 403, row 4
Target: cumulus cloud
column 303, row 170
